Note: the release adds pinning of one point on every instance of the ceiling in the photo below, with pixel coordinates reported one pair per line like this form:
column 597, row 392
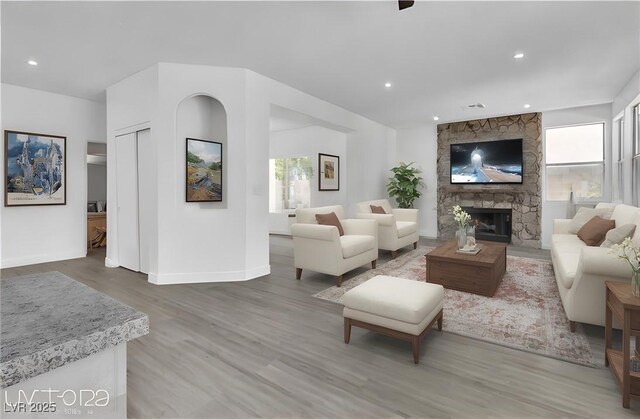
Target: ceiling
column 439, row 56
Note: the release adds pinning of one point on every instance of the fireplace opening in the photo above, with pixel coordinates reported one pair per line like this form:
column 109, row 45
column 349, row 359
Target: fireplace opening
column 492, row 224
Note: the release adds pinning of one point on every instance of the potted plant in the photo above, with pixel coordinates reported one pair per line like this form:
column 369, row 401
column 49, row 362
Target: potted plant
column 405, row 184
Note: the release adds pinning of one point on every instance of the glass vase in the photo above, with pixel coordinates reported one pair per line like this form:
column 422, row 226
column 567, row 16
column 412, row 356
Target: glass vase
column 461, row 237
column 635, row 284
column 471, row 232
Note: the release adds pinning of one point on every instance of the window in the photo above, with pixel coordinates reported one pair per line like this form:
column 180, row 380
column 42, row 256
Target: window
column 619, row 141
column 636, row 155
column 575, row 162
column 289, row 183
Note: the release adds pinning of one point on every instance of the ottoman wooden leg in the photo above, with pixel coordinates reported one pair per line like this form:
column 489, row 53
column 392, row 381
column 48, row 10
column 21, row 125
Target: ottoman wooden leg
column 415, row 345
column 347, row 330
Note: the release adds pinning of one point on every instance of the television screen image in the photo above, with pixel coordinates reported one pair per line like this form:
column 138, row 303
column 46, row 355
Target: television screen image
column 487, row 162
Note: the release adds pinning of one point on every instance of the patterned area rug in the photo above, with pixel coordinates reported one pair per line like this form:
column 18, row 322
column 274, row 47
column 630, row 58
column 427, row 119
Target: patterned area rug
column 526, row 313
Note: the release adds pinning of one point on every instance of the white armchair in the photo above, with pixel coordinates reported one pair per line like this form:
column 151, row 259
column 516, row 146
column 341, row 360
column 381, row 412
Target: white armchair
column 396, row 229
column 320, row 248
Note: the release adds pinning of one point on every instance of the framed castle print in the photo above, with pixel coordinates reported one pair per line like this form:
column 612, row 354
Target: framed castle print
column 35, row 169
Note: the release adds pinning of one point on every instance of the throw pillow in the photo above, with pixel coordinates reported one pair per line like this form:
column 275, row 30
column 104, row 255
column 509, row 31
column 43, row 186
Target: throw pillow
column 585, row 214
column 618, row 234
column 330, row 219
column 377, row 210
column 595, row 230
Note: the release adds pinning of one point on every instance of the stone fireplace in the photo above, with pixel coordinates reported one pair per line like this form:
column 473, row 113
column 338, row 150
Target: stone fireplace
column 492, row 224
column 523, row 200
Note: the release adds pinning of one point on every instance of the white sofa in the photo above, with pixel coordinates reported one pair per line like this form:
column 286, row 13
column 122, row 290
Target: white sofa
column 396, row 229
column 320, row 248
column 581, row 270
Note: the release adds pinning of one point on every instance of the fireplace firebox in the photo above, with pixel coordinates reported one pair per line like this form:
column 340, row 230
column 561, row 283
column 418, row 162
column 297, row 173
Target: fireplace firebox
column 492, row 224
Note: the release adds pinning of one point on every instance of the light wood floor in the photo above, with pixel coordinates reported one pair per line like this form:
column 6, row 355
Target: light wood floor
column 268, row 348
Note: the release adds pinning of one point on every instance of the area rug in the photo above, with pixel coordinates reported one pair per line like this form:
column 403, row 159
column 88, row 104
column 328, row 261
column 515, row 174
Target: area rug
column 525, row 313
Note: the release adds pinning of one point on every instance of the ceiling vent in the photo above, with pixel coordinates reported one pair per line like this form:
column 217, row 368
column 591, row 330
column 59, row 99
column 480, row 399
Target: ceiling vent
column 476, row 105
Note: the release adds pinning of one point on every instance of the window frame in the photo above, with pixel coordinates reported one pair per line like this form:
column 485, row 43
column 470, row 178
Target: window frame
column 603, row 162
column 635, row 159
column 619, row 123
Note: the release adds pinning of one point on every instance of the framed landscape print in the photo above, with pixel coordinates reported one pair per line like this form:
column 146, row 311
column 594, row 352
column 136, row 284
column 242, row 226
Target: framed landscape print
column 329, row 169
column 204, row 171
column 35, row 169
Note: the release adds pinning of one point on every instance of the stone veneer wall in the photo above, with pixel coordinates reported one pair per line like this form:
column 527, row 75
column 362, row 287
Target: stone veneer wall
column 524, row 200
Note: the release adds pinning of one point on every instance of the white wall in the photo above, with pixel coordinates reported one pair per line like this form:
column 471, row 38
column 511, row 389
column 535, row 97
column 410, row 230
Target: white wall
column 96, row 182
column 40, row 233
column 200, row 243
column 420, row 145
column 573, row 116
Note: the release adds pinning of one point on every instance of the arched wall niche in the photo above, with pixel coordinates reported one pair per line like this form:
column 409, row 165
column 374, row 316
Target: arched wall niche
column 201, row 116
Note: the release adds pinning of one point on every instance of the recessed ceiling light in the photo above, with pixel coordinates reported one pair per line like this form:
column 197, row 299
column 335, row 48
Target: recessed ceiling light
column 527, row 106
column 519, row 55
column 436, row 118
column 387, row 85
column 32, row 62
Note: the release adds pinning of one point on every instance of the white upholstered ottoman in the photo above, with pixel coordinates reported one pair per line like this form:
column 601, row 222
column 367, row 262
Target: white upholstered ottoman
column 396, row 307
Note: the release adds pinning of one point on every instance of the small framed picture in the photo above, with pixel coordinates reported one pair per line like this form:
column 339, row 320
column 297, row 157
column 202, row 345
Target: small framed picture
column 35, row 169
column 204, row 171
column 329, row 170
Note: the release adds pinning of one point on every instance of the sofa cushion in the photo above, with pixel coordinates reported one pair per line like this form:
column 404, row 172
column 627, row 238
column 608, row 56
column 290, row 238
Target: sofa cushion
column 585, row 214
column 618, row 234
column 565, row 243
column 406, row 227
column 375, row 209
column 330, row 219
column 355, row 244
column 395, row 298
column 625, row 214
column 595, row 230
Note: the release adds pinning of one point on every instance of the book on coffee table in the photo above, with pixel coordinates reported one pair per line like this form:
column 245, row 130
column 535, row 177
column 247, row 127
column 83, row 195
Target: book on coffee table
column 469, row 252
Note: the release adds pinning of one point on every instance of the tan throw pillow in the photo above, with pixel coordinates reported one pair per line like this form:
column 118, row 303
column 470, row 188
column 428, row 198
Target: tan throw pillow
column 585, row 214
column 595, row 230
column 377, row 210
column 618, row 234
column 330, row 219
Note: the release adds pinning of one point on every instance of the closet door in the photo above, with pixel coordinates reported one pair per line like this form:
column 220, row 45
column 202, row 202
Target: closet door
column 127, row 197
column 145, row 196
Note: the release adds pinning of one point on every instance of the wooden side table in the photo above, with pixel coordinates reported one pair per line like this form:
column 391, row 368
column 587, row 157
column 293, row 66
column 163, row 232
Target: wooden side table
column 621, row 303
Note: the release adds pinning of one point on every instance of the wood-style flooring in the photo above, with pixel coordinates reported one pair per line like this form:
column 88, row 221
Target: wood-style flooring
column 267, row 348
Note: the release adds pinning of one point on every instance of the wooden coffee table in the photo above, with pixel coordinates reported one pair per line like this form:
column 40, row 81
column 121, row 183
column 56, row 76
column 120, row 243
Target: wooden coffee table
column 478, row 274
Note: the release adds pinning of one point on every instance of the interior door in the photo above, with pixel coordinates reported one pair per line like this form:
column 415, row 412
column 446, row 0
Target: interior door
column 127, row 201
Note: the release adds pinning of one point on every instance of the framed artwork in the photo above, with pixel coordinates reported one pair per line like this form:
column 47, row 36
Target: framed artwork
column 204, row 171
column 329, row 169
column 35, row 168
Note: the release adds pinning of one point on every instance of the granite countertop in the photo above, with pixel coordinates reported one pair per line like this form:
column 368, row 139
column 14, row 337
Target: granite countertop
column 48, row 320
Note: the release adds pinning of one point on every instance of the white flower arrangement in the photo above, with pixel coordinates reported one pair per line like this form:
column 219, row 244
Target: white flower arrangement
column 627, row 251
column 461, row 217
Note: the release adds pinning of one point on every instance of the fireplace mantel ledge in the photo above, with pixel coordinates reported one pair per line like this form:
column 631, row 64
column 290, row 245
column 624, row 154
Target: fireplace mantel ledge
column 496, row 189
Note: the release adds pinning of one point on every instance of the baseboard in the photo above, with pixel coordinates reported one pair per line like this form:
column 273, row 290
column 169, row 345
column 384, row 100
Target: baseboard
column 49, row 257
column 423, row 234
column 202, row 277
column 110, row 263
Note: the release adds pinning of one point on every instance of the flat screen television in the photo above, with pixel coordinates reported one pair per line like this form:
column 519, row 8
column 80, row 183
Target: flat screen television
column 489, row 162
